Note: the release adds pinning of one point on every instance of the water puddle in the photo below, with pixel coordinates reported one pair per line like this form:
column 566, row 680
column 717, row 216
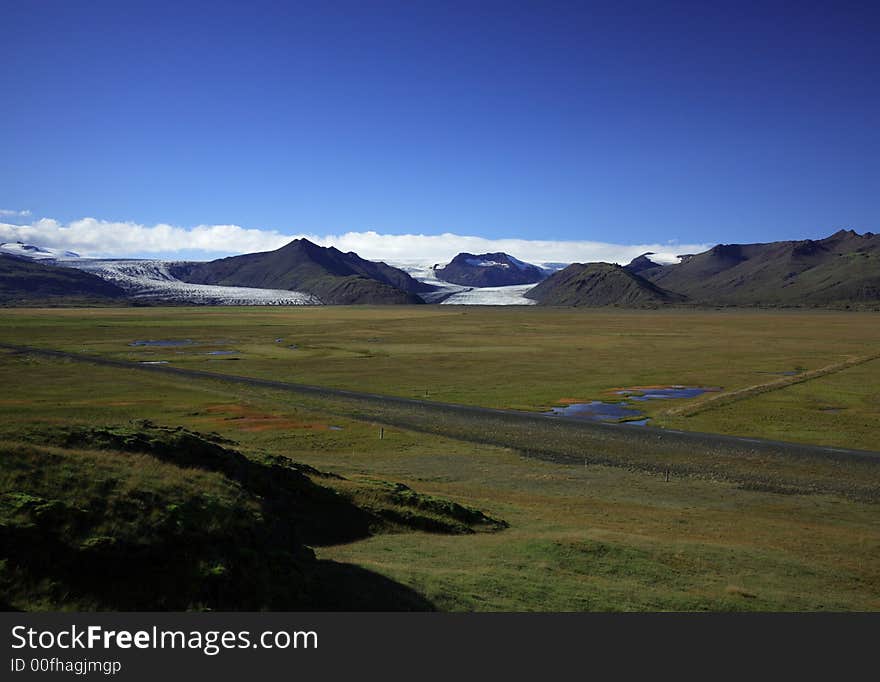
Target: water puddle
column 221, row 352
column 162, row 342
column 335, row 428
column 623, row 411
column 153, row 362
column 597, row 410
column 663, row 393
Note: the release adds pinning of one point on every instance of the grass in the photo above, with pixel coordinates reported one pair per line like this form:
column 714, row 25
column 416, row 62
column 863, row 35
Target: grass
column 519, row 358
column 578, row 537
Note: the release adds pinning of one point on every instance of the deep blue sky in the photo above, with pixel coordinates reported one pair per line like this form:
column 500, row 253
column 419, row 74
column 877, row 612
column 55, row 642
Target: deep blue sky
column 623, row 122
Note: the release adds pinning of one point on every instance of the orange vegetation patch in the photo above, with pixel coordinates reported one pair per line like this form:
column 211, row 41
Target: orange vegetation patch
column 228, row 408
column 245, row 418
column 277, row 424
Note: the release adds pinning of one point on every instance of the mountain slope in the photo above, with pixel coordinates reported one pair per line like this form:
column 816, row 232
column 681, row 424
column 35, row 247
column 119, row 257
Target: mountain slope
column 489, row 270
column 331, row 275
column 600, row 284
column 23, row 280
column 841, row 269
column 642, row 263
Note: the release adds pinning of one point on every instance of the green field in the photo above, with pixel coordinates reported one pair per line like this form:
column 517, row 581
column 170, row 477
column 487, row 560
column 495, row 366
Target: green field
column 579, row 537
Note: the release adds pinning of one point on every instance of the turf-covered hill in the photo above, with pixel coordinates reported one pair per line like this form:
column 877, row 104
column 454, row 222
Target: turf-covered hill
column 141, row 517
column 326, row 272
column 841, row 269
column 600, row 284
column 29, row 281
column 489, row 270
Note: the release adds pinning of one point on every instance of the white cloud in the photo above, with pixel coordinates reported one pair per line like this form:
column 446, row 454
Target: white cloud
column 93, row 237
column 15, row 214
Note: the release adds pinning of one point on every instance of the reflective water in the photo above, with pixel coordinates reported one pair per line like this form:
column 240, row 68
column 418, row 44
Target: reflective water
column 162, row 342
column 623, row 411
column 666, row 393
column 597, row 410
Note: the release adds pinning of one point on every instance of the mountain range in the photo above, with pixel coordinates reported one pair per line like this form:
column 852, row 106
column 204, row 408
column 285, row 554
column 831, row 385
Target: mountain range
column 838, row 271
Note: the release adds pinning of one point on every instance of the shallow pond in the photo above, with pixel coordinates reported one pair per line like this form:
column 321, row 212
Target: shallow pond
column 664, row 393
column 597, row 410
column 163, row 342
column 623, row 411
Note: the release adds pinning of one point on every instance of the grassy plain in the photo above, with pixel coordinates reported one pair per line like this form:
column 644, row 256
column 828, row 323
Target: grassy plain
column 580, row 537
column 523, row 358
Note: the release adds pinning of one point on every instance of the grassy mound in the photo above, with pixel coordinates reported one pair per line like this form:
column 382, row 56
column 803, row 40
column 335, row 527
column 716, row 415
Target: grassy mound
column 153, row 518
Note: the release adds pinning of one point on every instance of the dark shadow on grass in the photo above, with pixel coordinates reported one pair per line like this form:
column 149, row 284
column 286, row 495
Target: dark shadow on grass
column 346, row 587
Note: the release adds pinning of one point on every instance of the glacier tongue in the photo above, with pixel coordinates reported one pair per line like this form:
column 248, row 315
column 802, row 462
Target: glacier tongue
column 510, row 295
column 151, row 280
column 456, row 294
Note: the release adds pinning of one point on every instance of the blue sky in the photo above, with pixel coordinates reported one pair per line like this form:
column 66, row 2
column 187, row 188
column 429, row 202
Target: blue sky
column 615, row 122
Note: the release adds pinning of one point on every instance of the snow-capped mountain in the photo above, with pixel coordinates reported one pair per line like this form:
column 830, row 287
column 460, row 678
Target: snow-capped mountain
column 154, row 280
column 35, row 252
column 489, row 270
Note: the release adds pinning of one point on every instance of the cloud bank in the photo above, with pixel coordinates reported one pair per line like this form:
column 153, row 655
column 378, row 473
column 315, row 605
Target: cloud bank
column 6, row 212
column 101, row 238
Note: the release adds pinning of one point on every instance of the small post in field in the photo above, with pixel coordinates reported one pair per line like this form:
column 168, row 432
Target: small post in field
column 667, row 475
column 381, row 432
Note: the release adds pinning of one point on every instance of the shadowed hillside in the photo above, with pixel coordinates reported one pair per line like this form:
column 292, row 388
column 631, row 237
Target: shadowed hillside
column 841, row 269
column 600, row 284
column 141, row 517
column 28, row 281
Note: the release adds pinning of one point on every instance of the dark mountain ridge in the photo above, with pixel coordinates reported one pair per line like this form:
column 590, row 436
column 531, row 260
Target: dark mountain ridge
column 600, row 284
column 328, row 273
column 27, row 281
column 840, row 269
column 640, row 263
